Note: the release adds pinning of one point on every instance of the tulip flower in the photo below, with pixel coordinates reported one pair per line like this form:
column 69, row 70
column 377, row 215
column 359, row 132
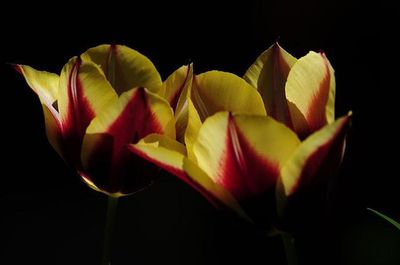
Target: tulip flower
column 196, row 97
column 236, row 158
column 101, row 102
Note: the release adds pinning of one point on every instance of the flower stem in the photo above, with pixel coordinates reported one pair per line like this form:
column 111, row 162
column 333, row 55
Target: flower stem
column 108, row 233
column 290, row 249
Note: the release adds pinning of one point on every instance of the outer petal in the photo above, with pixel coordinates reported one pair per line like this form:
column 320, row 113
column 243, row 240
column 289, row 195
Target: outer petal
column 163, row 151
column 215, row 91
column 176, row 83
column 83, row 92
column 316, row 157
column 269, row 74
column 107, row 163
column 124, row 67
column 243, row 153
column 171, row 156
column 310, row 91
column 45, row 85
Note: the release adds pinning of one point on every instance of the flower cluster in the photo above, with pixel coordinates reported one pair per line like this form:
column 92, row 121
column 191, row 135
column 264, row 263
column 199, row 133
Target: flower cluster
column 260, row 137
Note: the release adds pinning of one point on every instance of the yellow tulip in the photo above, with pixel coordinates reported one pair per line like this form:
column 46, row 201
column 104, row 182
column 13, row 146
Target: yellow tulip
column 239, row 156
column 102, row 101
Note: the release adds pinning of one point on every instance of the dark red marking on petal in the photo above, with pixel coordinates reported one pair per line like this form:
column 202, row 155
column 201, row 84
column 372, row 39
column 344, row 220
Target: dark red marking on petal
column 180, row 173
column 79, row 115
column 18, row 68
column 326, row 159
column 315, row 115
column 112, row 166
column 244, row 172
column 175, row 97
column 130, row 174
column 278, row 106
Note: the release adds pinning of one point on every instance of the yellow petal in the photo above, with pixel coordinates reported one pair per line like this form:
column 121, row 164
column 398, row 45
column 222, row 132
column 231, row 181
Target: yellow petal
column 317, row 156
column 124, row 67
column 163, row 151
column 215, row 91
column 44, row 84
column 310, row 91
column 213, row 191
column 105, row 157
column 170, row 155
column 243, row 153
column 83, row 93
column 269, row 74
column 177, row 82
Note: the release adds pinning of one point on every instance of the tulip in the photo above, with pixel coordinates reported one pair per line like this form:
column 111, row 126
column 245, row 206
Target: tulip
column 101, row 102
column 196, row 97
column 241, row 157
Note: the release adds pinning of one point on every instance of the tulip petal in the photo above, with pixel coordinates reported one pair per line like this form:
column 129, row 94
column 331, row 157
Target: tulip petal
column 310, row 91
column 215, row 91
column 106, row 159
column 124, row 67
column 163, row 151
column 269, row 74
column 317, row 156
column 83, row 92
column 170, row 155
column 213, row 191
column 243, row 153
column 177, row 82
column 45, row 85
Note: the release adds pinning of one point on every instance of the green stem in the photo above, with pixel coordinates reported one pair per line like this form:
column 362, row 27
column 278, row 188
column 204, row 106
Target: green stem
column 108, row 233
column 290, row 249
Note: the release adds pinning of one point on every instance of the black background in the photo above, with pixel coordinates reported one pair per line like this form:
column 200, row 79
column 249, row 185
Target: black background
column 48, row 216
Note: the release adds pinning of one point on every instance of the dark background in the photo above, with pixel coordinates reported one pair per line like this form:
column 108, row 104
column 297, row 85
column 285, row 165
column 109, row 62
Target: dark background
column 48, row 216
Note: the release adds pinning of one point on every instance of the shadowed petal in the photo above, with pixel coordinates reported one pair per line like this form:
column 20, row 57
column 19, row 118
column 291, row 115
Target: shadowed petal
column 269, row 74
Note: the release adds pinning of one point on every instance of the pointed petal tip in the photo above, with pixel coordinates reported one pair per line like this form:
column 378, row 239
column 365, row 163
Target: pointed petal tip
column 18, row 68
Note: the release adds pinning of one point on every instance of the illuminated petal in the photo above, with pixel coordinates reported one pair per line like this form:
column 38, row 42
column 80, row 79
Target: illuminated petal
column 83, row 92
column 215, row 91
column 177, row 82
column 243, row 153
column 163, row 151
column 106, row 159
column 310, row 91
column 213, row 191
column 124, row 67
column 170, row 155
column 269, row 74
column 45, row 85
column 316, row 157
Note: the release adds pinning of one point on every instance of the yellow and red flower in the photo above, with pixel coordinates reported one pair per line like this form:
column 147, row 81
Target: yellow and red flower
column 102, row 101
column 235, row 152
